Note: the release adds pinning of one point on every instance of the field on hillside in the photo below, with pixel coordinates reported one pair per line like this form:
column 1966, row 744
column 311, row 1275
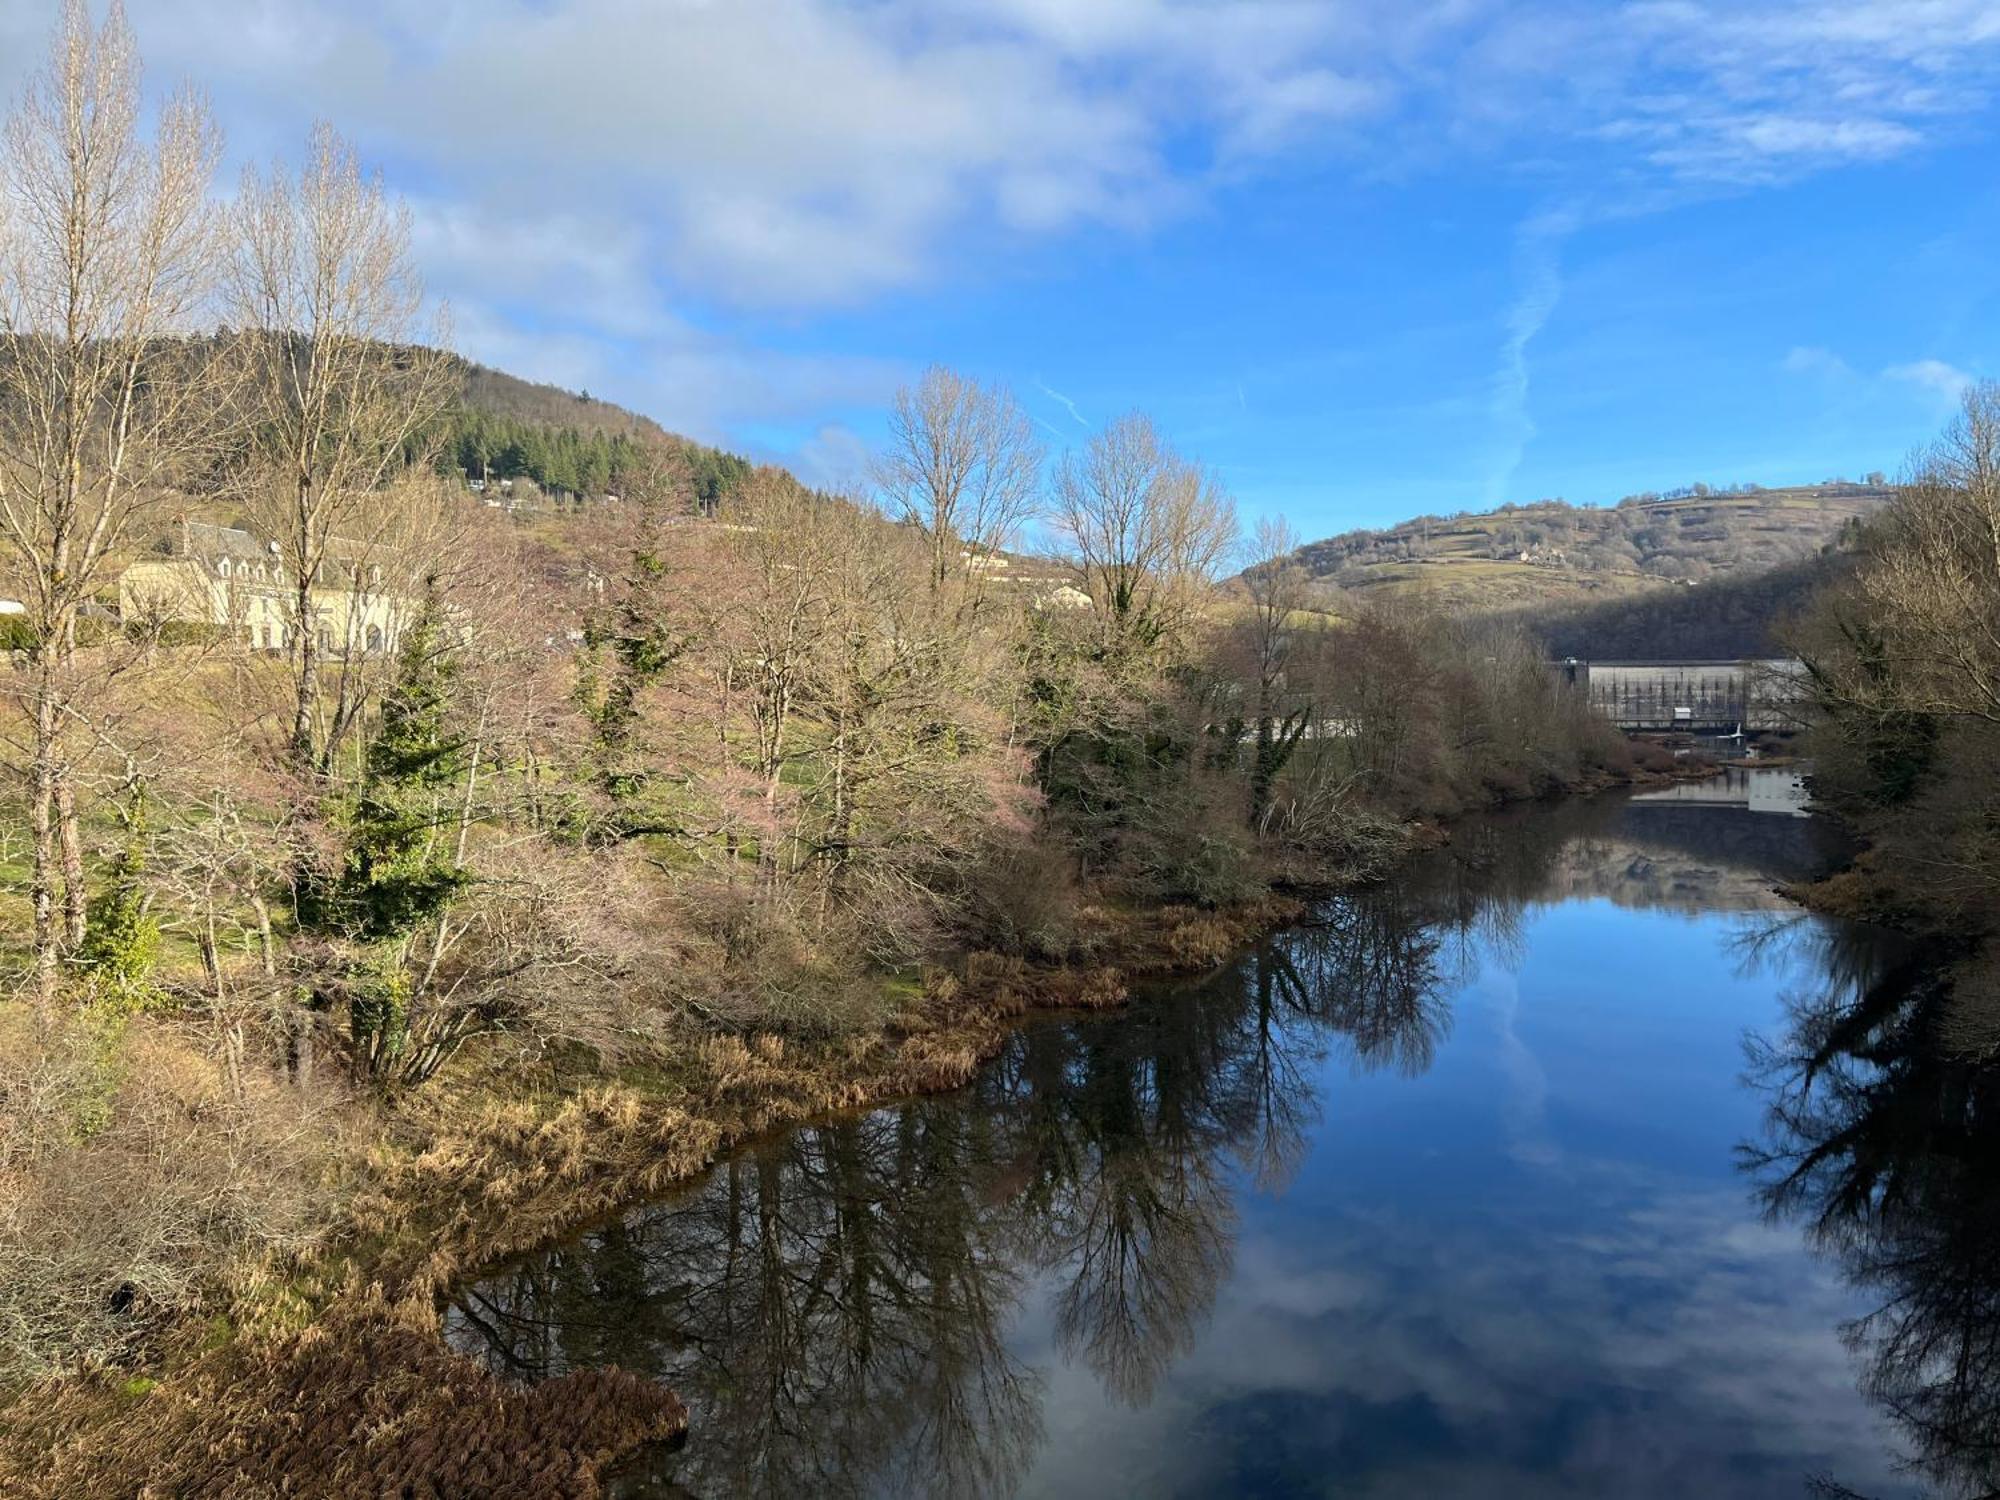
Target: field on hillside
column 1552, row 553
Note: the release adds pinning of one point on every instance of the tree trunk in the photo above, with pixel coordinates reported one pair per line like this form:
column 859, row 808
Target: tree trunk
column 1262, row 771
column 41, row 821
column 76, row 895
column 211, row 959
column 267, row 949
column 308, row 654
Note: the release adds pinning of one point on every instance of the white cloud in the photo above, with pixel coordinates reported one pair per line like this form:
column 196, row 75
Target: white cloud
column 1539, row 277
column 1813, row 360
column 801, row 152
column 1063, row 401
column 834, row 458
column 1945, row 381
column 616, row 184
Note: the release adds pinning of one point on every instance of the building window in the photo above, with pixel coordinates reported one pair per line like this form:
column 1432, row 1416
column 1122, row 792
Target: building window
column 374, row 637
column 223, row 567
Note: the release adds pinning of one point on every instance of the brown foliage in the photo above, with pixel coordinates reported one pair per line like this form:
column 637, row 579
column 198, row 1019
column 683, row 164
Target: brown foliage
column 145, row 1178
column 369, row 1404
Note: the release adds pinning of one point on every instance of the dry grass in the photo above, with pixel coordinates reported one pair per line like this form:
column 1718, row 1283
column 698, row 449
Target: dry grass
column 336, row 1381
column 367, row 1404
column 145, row 1183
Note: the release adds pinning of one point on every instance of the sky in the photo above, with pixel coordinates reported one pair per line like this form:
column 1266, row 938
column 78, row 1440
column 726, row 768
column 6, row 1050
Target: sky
column 1366, row 258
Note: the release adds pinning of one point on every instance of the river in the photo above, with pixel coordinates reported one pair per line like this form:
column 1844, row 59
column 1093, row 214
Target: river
column 1525, row 1174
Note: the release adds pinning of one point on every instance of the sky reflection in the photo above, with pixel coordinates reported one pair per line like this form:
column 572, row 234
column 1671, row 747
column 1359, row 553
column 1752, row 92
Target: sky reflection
column 1436, row 1195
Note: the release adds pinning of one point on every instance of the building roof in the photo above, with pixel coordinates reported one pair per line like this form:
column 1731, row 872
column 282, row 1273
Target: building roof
column 205, row 539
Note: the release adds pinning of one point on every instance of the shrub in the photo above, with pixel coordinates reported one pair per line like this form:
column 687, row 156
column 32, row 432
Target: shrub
column 141, row 1177
column 1023, row 899
column 122, row 938
column 1190, row 845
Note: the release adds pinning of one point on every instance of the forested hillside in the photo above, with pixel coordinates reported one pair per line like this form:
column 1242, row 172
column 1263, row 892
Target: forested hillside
column 1904, row 668
column 1552, row 552
column 1731, row 618
column 569, row 443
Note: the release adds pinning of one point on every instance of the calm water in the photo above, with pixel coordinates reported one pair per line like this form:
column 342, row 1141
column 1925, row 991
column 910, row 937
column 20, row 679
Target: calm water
column 1479, row 1184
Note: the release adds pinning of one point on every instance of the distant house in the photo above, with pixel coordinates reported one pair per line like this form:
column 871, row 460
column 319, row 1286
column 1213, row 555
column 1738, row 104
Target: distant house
column 1063, row 596
column 1047, row 585
column 230, row 579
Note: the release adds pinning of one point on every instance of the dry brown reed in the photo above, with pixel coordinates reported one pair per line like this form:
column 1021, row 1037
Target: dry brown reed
column 368, row 1403
column 369, row 1400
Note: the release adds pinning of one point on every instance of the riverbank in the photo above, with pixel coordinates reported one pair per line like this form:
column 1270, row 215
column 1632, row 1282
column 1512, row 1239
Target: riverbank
column 345, row 1341
column 331, row 1377
column 1343, row 1162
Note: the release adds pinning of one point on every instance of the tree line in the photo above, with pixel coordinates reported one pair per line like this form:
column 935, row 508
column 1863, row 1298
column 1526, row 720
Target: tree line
column 1903, row 656
column 1735, row 617
column 576, row 461
column 1697, row 534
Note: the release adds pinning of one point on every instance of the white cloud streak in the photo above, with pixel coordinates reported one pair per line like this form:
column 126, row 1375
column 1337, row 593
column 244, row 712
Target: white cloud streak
column 1539, row 276
column 1060, row 399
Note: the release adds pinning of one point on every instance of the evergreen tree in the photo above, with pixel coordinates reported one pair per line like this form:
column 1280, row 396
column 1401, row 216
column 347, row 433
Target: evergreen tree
column 122, row 939
column 401, row 867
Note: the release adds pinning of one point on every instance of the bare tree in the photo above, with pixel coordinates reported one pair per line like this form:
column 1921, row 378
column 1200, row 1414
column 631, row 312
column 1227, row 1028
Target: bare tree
column 1277, row 588
column 1932, row 580
column 962, row 465
column 1903, row 669
column 347, row 389
column 106, row 251
column 1148, row 530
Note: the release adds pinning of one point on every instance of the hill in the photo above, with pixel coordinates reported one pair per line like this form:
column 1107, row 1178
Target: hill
column 569, row 443
column 1737, row 616
column 1552, row 553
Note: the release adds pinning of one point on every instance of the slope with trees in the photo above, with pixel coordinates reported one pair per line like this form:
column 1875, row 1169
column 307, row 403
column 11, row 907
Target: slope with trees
column 1738, row 616
column 567, row 443
column 1903, row 657
column 339, row 970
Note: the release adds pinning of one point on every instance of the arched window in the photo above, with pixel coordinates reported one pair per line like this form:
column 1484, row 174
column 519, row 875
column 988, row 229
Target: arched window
column 374, row 637
column 223, row 567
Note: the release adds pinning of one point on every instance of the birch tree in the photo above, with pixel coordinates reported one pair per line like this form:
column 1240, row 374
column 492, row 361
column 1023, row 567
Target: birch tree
column 347, row 382
column 106, row 258
column 962, row 466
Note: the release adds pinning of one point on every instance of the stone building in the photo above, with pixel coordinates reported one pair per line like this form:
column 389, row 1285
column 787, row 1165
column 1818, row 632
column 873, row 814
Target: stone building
column 230, row 579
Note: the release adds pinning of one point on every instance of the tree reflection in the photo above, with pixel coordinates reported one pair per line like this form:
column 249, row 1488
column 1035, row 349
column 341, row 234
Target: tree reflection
column 834, row 1305
column 1887, row 1146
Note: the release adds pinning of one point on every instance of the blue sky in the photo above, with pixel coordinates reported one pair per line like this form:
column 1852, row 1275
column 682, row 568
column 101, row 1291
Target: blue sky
column 1365, row 257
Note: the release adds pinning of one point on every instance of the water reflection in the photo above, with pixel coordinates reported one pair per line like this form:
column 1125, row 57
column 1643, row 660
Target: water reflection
column 1887, row 1146
column 910, row 1301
